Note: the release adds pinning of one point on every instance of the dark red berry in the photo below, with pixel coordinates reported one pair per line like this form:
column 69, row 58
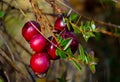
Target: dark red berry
column 36, row 24
column 51, row 49
column 38, row 43
column 28, row 30
column 74, row 43
column 40, row 63
column 52, row 52
column 60, row 24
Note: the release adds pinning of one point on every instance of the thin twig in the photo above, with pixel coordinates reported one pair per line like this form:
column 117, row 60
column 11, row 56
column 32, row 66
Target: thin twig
column 4, row 55
column 90, row 19
column 42, row 17
column 108, row 33
column 19, row 43
column 8, row 47
column 38, row 15
column 8, row 79
column 26, row 11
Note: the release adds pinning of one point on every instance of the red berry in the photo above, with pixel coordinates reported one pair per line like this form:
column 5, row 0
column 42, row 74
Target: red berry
column 38, row 43
column 51, row 49
column 40, row 63
column 74, row 43
column 60, row 24
column 28, row 30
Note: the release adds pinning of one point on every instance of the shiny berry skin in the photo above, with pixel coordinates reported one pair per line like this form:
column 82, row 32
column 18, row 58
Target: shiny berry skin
column 40, row 63
column 28, row 30
column 51, row 49
column 38, row 43
column 60, row 24
column 74, row 44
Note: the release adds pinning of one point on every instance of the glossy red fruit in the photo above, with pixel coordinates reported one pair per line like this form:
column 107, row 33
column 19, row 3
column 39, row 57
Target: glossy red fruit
column 60, row 24
column 40, row 63
column 74, row 43
column 38, row 43
column 28, row 30
column 51, row 49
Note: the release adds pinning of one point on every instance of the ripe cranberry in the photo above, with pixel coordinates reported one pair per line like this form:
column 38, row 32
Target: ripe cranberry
column 38, row 43
column 40, row 63
column 60, row 24
column 28, row 30
column 51, row 49
column 74, row 43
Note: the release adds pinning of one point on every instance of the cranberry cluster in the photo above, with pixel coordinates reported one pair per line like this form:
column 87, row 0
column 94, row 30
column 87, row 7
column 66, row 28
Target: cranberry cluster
column 61, row 28
column 46, row 50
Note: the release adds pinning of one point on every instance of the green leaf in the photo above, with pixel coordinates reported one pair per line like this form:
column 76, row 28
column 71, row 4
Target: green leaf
column 82, row 55
column 2, row 14
column 64, row 21
column 92, row 68
column 87, row 35
column 86, row 27
column 89, row 58
column 73, row 17
column 87, row 30
column 67, row 43
column 68, row 25
column 76, row 29
column 61, row 53
column 60, row 39
column 76, row 65
column 81, row 50
column 69, row 52
column 64, row 42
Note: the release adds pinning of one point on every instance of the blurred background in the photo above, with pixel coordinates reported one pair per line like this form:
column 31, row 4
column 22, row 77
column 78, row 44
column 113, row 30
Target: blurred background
column 15, row 52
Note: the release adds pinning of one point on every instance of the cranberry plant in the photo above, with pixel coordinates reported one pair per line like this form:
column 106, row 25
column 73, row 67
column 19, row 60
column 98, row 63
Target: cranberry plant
column 56, row 42
column 70, row 45
column 63, row 44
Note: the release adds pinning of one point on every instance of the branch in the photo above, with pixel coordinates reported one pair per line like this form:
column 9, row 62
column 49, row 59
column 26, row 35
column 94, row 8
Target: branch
column 4, row 55
column 19, row 43
column 88, row 18
column 108, row 33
